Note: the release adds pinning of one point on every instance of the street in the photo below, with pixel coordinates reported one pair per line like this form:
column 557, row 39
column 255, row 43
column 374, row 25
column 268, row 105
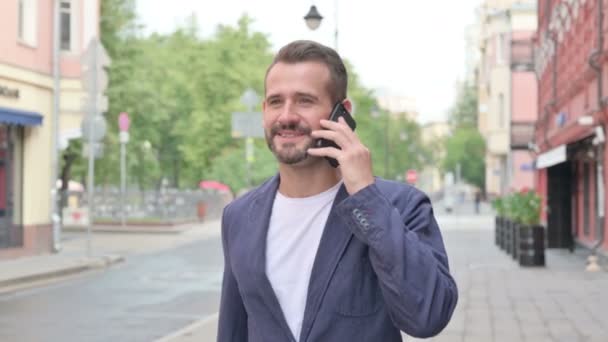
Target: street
column 145, row 298
column 157, row 292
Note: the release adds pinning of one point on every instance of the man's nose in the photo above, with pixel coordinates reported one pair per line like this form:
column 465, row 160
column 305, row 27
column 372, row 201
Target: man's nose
column 288, row 114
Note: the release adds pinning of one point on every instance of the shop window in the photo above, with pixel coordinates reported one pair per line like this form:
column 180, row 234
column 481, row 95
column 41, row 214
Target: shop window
column 11, row 229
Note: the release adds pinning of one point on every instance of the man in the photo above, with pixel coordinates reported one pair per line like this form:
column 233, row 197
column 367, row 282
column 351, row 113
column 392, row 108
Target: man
column 327, row 254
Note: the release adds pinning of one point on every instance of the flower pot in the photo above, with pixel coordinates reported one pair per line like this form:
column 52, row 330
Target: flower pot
column 531, row 245
column 507, row 237
column 498, row 227
column 515, row 240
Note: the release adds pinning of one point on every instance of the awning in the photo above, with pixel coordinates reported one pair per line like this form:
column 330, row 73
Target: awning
column 19, row 117
column 552, row 157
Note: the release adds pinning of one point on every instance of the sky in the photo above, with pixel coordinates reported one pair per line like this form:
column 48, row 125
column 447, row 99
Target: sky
column 404, row 48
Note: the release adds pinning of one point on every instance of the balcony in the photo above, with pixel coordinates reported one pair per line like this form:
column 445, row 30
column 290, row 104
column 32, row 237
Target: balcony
column 522, row 55
column 522, row 133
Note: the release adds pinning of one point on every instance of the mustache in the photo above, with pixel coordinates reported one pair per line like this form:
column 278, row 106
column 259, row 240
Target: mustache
column 274, row 130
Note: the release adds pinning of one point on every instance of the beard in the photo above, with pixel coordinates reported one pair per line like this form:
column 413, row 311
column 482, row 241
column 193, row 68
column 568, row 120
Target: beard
column 289, row 153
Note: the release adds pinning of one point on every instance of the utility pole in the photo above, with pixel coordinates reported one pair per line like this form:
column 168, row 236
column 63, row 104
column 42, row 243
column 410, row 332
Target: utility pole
column 55, row 208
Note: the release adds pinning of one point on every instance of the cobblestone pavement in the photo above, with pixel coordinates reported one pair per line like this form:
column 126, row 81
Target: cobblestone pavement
column 501, row 301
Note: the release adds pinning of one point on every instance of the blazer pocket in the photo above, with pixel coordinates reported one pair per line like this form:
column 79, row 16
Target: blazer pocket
column 358, row 290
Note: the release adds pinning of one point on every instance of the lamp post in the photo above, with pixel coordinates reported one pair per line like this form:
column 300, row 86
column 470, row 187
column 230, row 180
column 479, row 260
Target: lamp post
column 313, row 20
column 123, row 124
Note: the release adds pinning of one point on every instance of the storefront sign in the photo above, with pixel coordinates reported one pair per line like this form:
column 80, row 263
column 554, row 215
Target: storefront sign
column 551, row 157
column 9, row 92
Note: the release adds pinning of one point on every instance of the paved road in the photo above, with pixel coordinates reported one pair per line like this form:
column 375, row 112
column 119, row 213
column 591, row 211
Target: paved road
column 147, row 297
column 154, row 294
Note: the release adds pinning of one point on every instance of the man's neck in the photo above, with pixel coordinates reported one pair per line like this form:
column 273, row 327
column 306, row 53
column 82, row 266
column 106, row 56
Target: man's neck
column 308, row 180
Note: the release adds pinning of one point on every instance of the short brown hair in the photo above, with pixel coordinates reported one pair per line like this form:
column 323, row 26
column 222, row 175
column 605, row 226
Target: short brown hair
column 309, row 51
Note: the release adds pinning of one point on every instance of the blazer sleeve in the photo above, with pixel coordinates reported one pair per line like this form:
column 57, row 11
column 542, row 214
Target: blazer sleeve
column 232, row 323
column 408, row 256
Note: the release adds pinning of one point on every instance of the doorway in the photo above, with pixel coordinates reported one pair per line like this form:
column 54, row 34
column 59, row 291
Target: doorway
column 559, row 206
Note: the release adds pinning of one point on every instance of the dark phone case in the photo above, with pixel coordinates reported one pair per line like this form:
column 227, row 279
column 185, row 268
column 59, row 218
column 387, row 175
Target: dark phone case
column 338, row 111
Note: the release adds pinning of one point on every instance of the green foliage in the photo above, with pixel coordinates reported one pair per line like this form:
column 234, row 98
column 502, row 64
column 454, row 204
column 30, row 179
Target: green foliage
column 500, row 206
column 523, row 207
column 466, row 147
column 464, row 112
column 180, row 90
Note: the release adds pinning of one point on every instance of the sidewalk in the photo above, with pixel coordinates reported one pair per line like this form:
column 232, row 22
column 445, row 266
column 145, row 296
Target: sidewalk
column 107, row 249
column 499, row 300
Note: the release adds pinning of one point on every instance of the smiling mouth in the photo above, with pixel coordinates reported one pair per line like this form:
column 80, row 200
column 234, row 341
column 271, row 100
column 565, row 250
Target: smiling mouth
column 290, row 134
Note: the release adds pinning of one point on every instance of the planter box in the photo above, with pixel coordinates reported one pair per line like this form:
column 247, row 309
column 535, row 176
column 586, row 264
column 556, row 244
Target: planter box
column 531, row 246
column 515, row 240
column 508, row 236
column 498, row 228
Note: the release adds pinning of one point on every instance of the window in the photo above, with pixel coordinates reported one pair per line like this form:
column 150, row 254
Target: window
column 27, row 27
column 500, row 48
column 65, row 20
column 501, row 111
column 11, row 171
column 21, row 18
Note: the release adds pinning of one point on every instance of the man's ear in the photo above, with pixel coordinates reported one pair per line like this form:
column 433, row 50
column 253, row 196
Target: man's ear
column 348, row 105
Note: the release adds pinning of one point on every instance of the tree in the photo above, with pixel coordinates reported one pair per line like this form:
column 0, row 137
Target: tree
column 466, row 146
column 464, row 112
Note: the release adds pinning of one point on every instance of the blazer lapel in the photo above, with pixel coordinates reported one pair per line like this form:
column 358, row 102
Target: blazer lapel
column 334, row 240
column 259, row 217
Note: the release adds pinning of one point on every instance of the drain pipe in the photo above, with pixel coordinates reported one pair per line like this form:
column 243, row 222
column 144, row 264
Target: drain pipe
column 596, row 63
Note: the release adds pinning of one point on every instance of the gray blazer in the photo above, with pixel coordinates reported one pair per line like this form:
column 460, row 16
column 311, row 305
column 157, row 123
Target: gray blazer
column 381, row 267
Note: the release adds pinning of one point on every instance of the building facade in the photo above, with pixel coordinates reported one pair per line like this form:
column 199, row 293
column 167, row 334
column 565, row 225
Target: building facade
column 431, row 179
column 572, row 66
column 507, row 93
column 27, row 128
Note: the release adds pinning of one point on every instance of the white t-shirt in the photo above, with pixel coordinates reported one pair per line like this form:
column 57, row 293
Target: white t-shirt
column 296, row 226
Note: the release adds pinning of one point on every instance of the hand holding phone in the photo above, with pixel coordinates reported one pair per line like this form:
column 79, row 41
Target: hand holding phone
column 338, row 111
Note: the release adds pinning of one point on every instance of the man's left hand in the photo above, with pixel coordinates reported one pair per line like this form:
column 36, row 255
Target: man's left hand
column 354, row 157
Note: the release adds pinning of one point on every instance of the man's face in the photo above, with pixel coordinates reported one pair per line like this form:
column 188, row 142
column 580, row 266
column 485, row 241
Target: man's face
column 296, row 100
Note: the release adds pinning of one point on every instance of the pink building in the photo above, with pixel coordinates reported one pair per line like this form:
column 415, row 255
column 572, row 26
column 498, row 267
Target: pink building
column 26, row 111
column 507, row 93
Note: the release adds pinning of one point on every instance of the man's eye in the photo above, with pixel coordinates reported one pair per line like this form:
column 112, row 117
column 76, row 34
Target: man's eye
column 305, row 100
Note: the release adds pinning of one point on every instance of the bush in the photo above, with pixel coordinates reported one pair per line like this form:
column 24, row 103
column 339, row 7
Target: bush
column 522, row 207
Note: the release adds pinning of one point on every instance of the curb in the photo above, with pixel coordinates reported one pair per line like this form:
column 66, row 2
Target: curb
column 109, row 229
column 82, row 266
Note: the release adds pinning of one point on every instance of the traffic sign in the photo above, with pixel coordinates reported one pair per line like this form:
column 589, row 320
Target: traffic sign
column 250, row 99
column 94, row 60
column 99, row 127
column 411, row 176
column 124, row 122
column 100, row 107
column 247, row 125
column 97, row 150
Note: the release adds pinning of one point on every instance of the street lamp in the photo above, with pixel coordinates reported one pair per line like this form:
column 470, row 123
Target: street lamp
column 313, row 20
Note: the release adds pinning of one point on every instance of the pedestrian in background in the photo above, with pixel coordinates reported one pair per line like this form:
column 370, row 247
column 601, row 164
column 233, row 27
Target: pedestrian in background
column 477, row 201
column 319, row 253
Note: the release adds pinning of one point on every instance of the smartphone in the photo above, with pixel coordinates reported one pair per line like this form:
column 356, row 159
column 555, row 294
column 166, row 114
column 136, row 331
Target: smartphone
column 337, row 111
